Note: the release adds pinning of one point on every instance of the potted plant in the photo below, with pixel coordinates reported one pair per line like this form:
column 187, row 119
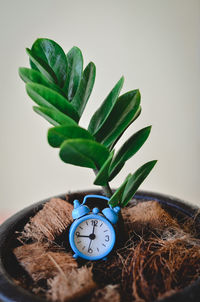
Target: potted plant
column 152, row 253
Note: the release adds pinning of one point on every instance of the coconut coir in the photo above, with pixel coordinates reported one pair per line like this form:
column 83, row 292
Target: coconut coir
column 50, row 222
column 160, row 257
column 72, row 286
column 41, row 263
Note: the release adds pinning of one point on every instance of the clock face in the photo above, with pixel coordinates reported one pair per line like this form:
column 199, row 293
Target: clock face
column 93, row 237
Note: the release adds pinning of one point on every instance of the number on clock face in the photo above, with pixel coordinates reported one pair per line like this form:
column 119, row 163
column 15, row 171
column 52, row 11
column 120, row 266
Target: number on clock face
column 92, row 237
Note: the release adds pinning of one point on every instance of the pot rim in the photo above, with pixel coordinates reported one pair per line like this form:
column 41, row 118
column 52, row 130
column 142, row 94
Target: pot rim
column 9, row 291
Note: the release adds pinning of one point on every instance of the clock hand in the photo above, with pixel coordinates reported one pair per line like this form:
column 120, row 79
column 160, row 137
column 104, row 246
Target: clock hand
column 92, row 237
column 89, row 245
column 93, row 229
column 82, row 236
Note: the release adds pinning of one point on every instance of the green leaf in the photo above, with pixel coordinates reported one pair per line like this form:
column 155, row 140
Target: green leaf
column 74, row 73
column 100, row 116
column 53, row 55
column 135, row 181
column 129, row 148
column 54, row 116
column 33, row 76
column 42, row 66
column 116, row 171
column 84, row 153
column 117, row 196
column 119, row 118
column 46, row 97
column 57, row 135
column 85, row 88
column 137, row 114
column 102, row 176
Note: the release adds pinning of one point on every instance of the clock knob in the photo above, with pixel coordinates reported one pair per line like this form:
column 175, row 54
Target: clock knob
column 79, row 210
column 111, row 214
column 95, row 210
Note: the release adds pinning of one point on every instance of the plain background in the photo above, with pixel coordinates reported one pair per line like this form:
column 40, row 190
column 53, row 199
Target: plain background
column 153, row 43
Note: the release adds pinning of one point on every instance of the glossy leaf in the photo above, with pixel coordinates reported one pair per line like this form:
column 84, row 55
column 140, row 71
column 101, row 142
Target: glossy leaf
column 74, row 72
column 57, row 135
column 117, row 196
column 85, row 88
column 119, row 118
column 137, row 114
column 53, row 55
column 102, row 176
column 135, row 181
column 33, row 76
column 54, row 116
column 46, row 97
column 58, row 84
column 128, row 149
column 42, row 66
column 113, row 173
column 84, row 153
column 100, row 116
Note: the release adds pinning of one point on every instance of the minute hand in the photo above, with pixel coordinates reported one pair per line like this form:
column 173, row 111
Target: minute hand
column 93, row 229
column 91, row 239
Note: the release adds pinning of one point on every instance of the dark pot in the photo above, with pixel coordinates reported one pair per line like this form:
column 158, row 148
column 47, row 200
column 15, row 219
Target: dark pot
column 9, row 291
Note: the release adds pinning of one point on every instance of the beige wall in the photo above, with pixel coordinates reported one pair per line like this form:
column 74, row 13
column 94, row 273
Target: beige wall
column 153, row 43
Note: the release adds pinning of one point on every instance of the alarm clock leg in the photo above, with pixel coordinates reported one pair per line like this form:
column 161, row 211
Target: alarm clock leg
column 105, row 258
column 75, row 256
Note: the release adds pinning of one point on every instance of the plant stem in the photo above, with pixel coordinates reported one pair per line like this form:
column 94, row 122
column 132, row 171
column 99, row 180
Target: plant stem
column 106, row 189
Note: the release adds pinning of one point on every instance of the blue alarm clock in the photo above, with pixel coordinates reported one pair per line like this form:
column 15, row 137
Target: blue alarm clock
column 92, row 235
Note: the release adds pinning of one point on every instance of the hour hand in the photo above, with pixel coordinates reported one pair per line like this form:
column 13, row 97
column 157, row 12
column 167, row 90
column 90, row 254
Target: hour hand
column 79, row 235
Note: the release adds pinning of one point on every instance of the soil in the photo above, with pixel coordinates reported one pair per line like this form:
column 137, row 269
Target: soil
column 156, row 255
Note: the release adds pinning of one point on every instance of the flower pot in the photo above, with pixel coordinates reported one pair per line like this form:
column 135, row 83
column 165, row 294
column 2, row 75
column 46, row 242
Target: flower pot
column 9, row 291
